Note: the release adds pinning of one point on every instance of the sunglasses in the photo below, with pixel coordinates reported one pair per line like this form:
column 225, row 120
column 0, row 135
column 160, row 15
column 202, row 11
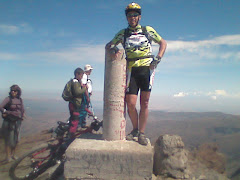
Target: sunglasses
column 132, row 14
column 13, row 90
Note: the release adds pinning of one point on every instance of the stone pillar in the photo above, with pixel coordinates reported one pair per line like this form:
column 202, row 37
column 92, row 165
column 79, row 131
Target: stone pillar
column 114, row 94
column 170, row 157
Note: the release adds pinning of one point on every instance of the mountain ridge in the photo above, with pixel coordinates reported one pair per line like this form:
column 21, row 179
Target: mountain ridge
column 195, row 128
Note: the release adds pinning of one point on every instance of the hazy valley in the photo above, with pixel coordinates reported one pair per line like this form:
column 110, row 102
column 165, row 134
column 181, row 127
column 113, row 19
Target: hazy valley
column 194, row 128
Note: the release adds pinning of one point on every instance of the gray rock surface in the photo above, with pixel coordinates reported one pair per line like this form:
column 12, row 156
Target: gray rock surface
column 172, row 161
column 108, row 160
column 170, row 157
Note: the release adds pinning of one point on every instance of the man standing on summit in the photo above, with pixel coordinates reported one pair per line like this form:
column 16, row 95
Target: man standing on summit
column 136, row 41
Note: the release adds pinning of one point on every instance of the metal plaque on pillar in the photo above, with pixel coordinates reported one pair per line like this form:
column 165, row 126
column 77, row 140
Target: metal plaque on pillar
column 114, row 121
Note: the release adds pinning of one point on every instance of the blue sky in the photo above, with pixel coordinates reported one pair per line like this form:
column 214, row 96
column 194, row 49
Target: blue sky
column 42, row 42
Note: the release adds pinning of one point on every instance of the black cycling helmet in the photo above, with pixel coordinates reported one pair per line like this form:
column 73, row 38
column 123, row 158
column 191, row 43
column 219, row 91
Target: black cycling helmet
column 133, row 7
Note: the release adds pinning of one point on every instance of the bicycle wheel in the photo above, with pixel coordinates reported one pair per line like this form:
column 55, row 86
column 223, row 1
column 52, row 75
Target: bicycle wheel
column 32, row 164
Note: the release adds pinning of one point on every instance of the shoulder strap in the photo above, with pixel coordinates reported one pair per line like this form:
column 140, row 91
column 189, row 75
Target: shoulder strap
column 145, row 32
column 8, row 105
column 126, row 34
column 72, row 86
column 21, row 101
column 22, row 110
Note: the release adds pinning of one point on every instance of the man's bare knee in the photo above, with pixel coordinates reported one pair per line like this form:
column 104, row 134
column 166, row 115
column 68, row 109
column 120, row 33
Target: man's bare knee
column 144, row 104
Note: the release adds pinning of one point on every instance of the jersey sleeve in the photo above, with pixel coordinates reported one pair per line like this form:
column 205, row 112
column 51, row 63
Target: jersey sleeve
column 118, row 37
column 153, row 34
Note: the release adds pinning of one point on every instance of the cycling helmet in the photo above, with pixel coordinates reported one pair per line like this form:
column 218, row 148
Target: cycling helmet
column 133, row 7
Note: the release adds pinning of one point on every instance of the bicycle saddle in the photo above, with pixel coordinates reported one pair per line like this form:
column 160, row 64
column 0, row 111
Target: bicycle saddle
column 62, row 123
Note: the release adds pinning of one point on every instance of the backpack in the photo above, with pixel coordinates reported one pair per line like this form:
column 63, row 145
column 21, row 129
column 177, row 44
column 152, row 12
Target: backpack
column 67, row 94
column 127, row 34
column 7, row 107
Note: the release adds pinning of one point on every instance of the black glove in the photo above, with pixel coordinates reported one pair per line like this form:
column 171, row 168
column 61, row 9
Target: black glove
column 114, row 50
column 155, row 61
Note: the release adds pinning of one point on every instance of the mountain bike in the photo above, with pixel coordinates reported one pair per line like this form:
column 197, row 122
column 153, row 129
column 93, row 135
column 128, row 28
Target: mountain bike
column 34, row 163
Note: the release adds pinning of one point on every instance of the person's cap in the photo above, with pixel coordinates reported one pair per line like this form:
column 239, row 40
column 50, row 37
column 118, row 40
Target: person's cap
column 87, row 67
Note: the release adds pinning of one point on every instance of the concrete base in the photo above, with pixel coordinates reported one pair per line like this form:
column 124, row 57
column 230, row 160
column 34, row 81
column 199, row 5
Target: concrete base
column 108, row 160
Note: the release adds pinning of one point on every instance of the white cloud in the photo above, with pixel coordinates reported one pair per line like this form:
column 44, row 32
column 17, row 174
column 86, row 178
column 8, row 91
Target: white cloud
column 180, row 94
column 15, row 29
column 8, row 56
column 212, row 94
column 226, row 40
column 220, row 92
column 179, row 54
column 26, row 28
column 63, row 33
column 192, row 46
column 214, row 97
column 8, row 29
column 182, row 50
column 218, row 50
column 83, row 52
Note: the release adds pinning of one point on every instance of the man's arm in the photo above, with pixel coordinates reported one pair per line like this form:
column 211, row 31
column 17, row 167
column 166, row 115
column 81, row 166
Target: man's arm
column 162, row 48
column 108, row 45
column 112, row 49
column 84, row 84
column 3, row 104
column 87, row 95
column 116, row 40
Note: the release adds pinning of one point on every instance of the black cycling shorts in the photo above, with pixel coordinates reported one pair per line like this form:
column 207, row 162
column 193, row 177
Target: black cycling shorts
column 139, row 78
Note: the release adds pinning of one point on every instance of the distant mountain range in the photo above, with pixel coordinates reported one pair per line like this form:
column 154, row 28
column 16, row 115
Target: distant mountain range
column 195, row 128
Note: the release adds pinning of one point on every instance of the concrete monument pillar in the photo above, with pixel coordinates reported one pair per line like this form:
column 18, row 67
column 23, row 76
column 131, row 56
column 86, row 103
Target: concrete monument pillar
column 114, row 122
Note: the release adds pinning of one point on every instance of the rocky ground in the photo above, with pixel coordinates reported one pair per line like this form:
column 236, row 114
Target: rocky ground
column 204, row 163
column 25, row 145
column 173, row 161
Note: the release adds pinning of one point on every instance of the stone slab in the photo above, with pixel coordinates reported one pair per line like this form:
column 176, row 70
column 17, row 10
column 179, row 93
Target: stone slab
column 108, row 160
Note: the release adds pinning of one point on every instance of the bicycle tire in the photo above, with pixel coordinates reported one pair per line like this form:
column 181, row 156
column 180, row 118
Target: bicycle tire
column 25, row 169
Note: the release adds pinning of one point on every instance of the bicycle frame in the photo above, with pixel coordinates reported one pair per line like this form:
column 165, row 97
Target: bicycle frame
column 32, row 164
column 55, row 147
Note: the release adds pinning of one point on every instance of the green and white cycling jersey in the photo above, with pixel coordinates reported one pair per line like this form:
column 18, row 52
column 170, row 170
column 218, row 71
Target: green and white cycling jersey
column 137, row 44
